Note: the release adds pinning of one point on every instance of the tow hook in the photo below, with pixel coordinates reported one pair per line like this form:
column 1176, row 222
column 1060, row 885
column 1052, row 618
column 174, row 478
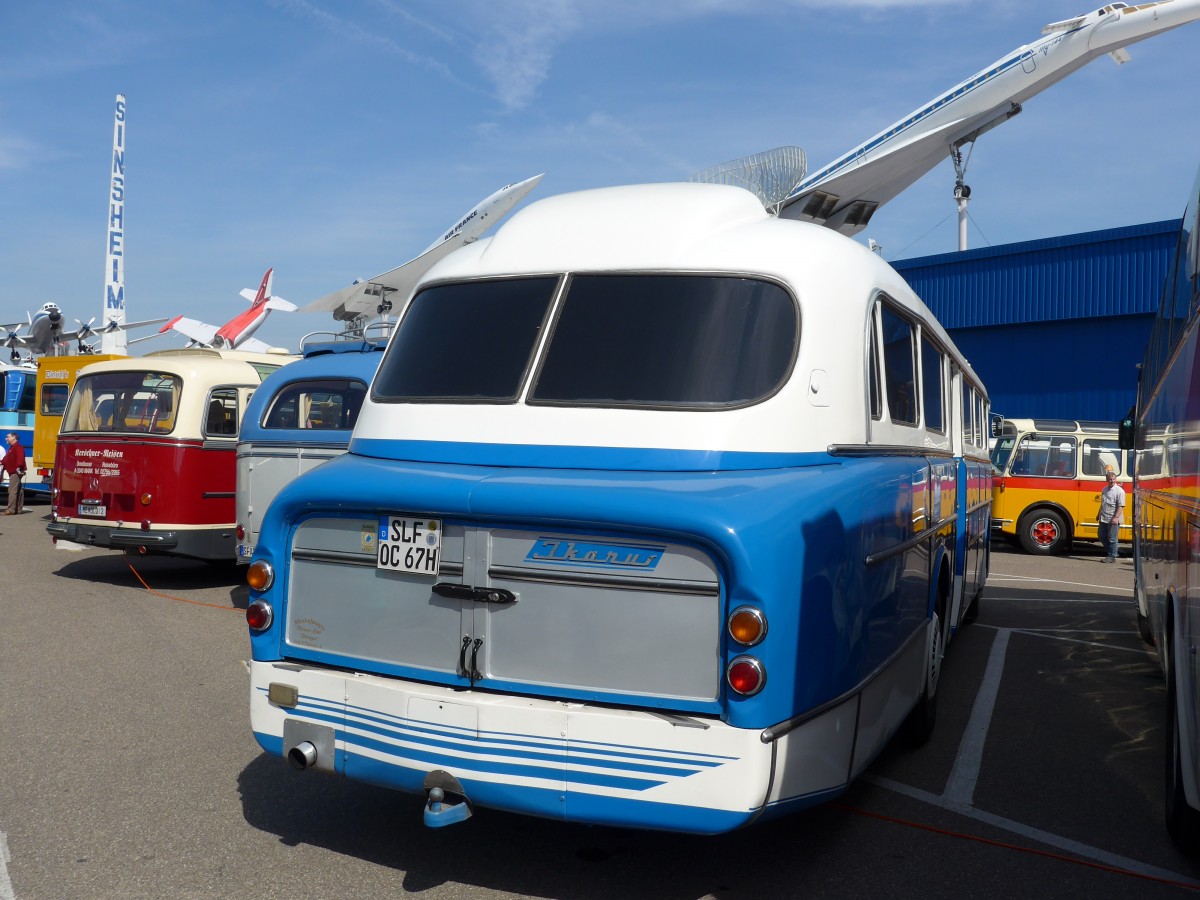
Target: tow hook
column 446, row 803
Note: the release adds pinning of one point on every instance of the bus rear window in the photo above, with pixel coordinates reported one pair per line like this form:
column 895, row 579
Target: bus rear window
column 328, row 404
column 123, row 401
column 471, row 341
column 668, row 341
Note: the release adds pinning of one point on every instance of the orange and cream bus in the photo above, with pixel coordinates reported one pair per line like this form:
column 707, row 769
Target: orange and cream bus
column 1049, row 474
column 55, row 378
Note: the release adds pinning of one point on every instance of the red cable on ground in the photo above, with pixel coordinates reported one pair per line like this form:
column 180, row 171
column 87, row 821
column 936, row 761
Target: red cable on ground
column 180, row 599
column 982, row 840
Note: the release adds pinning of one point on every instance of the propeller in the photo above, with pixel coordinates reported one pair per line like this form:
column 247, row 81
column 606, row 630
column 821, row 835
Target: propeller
column 12, row 337
column 85, row 332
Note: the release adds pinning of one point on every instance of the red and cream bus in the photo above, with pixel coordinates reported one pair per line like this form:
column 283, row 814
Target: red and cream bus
column 147, row 451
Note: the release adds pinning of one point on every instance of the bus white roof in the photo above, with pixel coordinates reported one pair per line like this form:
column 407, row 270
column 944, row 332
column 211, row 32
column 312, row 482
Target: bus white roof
column 681, row 228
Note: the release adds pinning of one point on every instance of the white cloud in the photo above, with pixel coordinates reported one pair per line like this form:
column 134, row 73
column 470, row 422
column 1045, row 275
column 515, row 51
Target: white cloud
column 514, row 43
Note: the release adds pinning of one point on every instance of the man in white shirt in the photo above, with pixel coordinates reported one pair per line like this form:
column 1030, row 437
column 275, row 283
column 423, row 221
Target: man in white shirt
column 1112, row 512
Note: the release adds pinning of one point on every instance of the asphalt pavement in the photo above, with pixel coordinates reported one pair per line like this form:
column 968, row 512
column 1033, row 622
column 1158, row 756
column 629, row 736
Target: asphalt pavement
column 127, row 767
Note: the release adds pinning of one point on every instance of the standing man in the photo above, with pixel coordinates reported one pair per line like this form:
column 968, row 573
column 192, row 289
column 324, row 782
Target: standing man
column 1112, row 509
column 14, row 465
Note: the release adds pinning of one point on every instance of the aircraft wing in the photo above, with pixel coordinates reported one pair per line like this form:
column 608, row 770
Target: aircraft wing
column 846, row 199
column 364, row 298
column 254, row 344
column 845, row 194
column 127, row 325
column 200, row 332
column 86, row 331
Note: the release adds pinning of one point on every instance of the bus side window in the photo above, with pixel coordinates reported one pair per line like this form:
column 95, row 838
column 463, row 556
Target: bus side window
column 54, row 399
column 899, row 367
column 969, row 414
column 873, row 371
column 28, row 401
column 222, row 413
column 1061, row 461
column 931, row 379
column 1101, row 456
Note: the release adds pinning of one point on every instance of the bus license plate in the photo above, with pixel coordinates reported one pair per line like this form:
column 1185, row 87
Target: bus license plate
column 98, row 511
column 409, row 545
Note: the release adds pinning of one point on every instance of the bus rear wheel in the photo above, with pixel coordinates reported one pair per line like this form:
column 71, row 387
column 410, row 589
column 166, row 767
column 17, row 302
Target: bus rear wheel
column 918, row 726
column 1183, row 822
column 1044, row 532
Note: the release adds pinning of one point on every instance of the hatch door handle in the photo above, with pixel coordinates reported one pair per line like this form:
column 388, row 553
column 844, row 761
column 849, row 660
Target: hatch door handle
column 476, row 594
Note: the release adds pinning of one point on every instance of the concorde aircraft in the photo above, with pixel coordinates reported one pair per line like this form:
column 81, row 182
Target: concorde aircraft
column 236, row 333
column 845, row 194
column 45, row 333
column 375, row 296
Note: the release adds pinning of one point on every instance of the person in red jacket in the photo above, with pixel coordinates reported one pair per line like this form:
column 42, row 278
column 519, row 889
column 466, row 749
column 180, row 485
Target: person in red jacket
column 14, row 465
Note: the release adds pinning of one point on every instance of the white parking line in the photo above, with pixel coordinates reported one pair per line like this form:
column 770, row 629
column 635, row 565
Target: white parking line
column 993, row 575
column 991, row 597
column 1059, row 636
column 960, row 787
column 1044, row 837
column 959, row 794
column 6, row 888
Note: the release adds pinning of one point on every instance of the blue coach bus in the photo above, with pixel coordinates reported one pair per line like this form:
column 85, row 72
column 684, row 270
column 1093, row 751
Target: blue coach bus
column 300, row 417
column 660, row 512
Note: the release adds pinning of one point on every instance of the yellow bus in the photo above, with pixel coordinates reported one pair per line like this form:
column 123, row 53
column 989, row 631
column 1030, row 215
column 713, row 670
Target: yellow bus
column 55, row 378
column 1049, row 474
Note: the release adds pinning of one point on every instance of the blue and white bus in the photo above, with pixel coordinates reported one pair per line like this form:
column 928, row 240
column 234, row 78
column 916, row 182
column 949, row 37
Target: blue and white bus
column 1165, row 432
column 300, row 417
column 18, row 409
column 660, row 513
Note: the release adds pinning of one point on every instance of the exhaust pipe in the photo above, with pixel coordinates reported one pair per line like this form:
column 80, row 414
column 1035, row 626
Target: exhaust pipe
column 303, row 756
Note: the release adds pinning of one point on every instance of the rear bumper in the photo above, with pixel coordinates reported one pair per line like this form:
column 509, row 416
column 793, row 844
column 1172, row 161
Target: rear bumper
column 200, row 543
column 572, row 761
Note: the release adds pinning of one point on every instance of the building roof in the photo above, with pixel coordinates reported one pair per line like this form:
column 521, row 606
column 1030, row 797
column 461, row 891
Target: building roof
column 1114, row 272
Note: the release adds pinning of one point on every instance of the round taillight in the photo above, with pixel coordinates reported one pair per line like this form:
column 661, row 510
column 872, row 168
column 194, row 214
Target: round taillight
column 747, row 625
column 259, row 615
column 145, row 524
column 746, row 676
column 260, row 575
column 241, row 532
column 145, row 498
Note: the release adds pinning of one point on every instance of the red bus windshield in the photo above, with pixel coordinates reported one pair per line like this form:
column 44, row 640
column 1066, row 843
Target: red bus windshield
column 144, row 402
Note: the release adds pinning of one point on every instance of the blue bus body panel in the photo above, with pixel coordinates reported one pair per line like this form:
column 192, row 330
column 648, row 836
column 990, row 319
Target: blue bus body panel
column 791, row 541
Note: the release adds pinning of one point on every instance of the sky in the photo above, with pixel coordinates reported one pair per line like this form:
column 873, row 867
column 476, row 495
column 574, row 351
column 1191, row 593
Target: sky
column 335, row 141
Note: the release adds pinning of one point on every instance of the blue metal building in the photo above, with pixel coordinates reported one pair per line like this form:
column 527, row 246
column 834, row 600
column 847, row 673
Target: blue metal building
column 1054, row 327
